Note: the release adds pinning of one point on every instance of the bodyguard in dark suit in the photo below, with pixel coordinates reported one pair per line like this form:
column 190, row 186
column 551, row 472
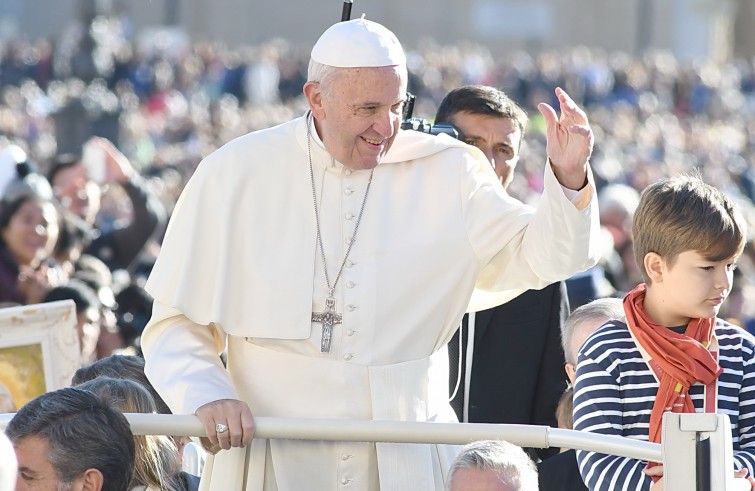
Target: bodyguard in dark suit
column 516, row 358
column 517, row 362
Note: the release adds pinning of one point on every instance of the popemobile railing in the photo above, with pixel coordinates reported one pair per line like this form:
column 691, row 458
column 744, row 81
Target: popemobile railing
column 696, row 453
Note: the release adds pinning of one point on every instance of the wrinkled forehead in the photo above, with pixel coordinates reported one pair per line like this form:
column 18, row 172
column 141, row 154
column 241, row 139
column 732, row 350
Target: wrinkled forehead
column 371, row 80
column 371, row 71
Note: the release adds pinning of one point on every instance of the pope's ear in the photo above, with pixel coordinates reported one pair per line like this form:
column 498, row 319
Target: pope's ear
column 314, row 98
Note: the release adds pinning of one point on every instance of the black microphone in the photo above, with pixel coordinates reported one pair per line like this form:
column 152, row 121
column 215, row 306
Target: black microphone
column 346, row 12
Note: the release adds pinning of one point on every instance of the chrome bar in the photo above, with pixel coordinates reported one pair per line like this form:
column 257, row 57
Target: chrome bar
column 402, row 432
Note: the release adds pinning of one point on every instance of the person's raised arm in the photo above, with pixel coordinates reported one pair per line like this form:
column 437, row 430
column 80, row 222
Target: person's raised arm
column 569, row 141
column 148, row 213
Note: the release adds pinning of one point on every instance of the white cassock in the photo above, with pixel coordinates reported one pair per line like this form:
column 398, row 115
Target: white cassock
column 240, row 264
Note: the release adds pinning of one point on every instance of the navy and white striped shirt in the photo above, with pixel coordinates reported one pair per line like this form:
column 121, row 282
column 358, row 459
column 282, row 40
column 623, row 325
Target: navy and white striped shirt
column 615, row 392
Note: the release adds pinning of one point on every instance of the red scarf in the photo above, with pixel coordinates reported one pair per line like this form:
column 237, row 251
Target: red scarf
column 684, row 359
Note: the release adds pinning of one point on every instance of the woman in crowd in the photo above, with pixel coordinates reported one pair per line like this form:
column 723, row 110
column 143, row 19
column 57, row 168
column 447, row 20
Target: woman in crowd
column 29, row 225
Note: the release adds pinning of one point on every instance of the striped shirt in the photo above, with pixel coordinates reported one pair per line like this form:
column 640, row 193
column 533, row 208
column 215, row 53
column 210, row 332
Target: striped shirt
column 615, row 391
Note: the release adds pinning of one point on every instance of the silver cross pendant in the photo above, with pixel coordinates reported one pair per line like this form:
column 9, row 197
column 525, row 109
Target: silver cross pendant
column 328, row 318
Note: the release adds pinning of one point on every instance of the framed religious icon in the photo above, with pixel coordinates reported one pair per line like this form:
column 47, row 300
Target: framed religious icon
column 39, row 351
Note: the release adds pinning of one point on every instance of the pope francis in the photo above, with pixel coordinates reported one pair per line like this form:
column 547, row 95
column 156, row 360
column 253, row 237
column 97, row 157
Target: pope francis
column 332, row 256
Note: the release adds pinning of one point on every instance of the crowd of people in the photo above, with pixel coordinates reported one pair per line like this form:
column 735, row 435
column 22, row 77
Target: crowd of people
column 100, row 136
column 166, row 108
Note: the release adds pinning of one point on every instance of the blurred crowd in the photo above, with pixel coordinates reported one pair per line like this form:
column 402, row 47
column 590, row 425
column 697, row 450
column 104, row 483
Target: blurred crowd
column 150, row 111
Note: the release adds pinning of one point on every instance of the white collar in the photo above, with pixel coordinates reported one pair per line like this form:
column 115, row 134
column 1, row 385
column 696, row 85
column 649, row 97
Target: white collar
column 317, row 140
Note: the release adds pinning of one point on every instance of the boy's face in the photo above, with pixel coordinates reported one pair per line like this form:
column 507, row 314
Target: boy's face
column 691, row 287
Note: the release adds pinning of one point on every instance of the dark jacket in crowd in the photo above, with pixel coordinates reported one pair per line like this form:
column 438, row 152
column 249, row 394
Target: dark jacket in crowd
column 517, row 363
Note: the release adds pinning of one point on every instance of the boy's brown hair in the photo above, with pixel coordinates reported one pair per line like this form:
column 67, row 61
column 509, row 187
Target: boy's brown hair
column 685, row 214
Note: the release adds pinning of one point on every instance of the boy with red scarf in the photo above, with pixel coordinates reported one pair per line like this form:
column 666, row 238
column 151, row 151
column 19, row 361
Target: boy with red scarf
column 672, row 354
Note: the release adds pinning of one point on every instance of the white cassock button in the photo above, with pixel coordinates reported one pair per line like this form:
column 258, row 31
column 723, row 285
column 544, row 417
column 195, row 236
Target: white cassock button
column 348, row 191
column 348, row 356
column 349, row 216
column 345, row 456
column 349, row 332
column 344, row 481
column 351, row 308
column 349, row 263
column 349, row 241
column 350, row 284
column 347, row 172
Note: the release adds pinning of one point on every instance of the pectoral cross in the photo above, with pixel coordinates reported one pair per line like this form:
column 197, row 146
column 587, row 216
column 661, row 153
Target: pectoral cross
column 328, row 318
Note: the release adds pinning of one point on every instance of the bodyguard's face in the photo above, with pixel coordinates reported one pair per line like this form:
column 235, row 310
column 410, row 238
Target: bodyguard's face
column 359, row 117
column 498, row 138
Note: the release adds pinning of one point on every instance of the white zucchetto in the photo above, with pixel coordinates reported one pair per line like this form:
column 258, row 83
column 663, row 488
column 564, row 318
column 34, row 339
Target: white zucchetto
column 358, row 43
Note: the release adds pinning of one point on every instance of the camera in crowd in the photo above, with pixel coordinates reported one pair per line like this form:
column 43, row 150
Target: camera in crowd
column 419, row 124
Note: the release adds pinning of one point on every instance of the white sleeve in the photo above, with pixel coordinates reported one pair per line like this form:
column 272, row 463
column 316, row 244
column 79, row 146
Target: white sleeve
column 183, row 362
column 522, row 248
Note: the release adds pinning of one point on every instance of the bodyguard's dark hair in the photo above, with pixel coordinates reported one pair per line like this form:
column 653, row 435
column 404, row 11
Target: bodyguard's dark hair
column 82, row 433
column 480, row 100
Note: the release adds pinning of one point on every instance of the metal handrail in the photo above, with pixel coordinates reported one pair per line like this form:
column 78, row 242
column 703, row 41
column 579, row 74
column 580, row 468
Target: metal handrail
column 402, row 432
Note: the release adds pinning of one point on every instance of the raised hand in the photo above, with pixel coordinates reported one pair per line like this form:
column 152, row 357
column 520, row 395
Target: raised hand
column 117, row 166
column 569, row 140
